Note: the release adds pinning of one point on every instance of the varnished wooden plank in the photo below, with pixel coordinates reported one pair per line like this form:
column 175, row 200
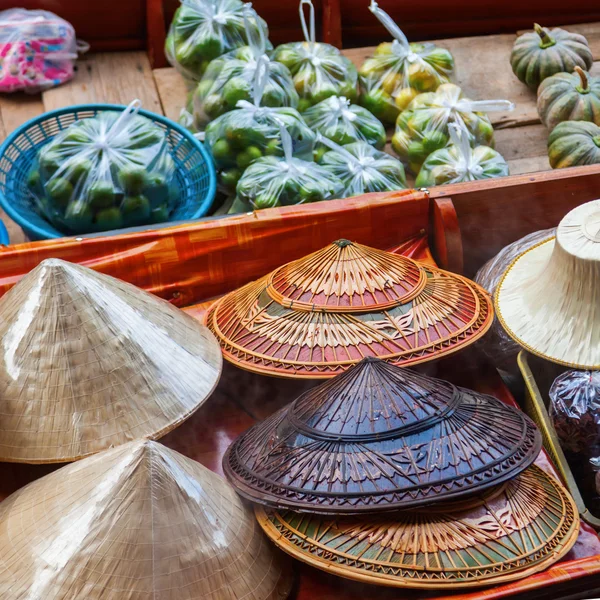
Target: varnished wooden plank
column 84, row 88
column 171, row 91
column 524, row 148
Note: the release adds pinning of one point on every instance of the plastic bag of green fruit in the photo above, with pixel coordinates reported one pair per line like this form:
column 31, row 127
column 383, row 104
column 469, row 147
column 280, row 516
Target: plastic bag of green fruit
column 459, row 162
column 398, row 71
column 343, row 123
column 105, row 172
column 319, row 70
column 230, row 78
column 423, row 127
column 273, row 181
column 362, row 168
column 252, row 131
column 203, row 30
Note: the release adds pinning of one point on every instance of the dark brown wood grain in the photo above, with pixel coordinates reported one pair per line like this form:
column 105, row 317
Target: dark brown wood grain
column 445, row 235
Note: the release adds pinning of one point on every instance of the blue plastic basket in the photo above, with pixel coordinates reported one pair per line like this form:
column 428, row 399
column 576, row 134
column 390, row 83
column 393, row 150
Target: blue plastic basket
column 196, row 177
column 3, row 234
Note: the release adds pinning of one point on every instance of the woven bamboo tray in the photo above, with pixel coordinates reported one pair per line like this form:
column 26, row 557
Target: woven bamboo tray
column 538, row 376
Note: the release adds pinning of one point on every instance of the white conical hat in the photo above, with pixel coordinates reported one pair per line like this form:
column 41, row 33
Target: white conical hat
column 549, row 298
column 89, row 362
column 140, row 522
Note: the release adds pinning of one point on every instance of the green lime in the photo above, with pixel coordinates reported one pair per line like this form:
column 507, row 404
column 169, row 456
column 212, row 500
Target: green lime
column 109, row 218
column 76, row 136
column 265, row 201
column 319, row 153
column 433, row 141
column 79, row 216
column 34, row 180
column 230, row 177
column 244, row 158
column 210, row 48
column 304, row 104
column 157, row 190
column 135, row 209
column 133, row 179
column 236, row 89
column 416, row 152
column 221, row 149
column 160, row 214
column 273, row 148
column 59, row 190
column 101, row 194
column 254, row 153
column 78, row 170
column 49, row 163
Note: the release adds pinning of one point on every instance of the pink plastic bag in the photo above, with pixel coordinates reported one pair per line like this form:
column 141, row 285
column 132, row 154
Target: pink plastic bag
column 37, row 50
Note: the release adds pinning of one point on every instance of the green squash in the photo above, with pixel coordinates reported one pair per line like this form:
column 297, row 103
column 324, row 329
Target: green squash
column 541, row 53
column 574, row 143
column 569, row 97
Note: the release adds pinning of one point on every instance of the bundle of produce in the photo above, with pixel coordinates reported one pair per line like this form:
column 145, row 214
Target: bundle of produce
column 105, row 172
column 569, row 97
column 423, row 127
column 283, row 181
column 251, row 131
column 459, row 162
column 573, row 144
column 398, row 71
column 541, row 53
column 361, row 168
column 342, row 122
column 203, row 30
column 230, row 78
column 318, row 70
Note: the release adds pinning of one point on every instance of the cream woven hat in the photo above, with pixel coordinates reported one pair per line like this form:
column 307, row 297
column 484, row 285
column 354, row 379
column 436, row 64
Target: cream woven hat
column 139, row 522
column 549, row 298
column 88, row 362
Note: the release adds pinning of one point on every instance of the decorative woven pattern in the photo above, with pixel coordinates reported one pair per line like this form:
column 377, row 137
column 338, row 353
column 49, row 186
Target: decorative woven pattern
column 380, row 438
column 137, row 522
column 90, row 362
column 530, row 523
column 317, row 316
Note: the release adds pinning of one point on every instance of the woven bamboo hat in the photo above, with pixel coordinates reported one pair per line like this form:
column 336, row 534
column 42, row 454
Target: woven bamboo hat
column 90, row 362
column 548, row 299
column 139, row 521
column 521, row 528
column 316, row 316
column 380, row 438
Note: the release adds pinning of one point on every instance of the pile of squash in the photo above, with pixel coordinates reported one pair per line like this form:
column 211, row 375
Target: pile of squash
column 556, row 63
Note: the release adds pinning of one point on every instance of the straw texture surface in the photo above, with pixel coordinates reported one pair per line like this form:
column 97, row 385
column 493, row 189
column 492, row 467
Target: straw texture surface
column 318, row 315
column 138, row 522
column 89, row 362
column 528, row 524
column 549, row 298
column 380, row 438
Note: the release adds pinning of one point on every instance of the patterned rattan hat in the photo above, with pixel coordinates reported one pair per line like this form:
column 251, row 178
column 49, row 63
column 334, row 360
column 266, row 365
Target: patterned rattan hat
column 548, row 299
column 380, row 438
column 90, row 362
column 515, row 530
column 317, row 316
column 139, row 522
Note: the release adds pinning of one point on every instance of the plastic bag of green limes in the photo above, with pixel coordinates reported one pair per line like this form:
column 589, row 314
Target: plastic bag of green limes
column 398, row 71
column 459, row 162
column 251, row 131
column 362, row 169
column 343, row 123
column 230, row 78
column 203, row 30
column 423, row 127
column 273, row 181
column 319, row 70
column 105, row 172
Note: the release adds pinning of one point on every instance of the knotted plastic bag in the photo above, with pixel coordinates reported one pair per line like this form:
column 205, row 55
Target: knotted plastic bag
column 423, row 127
column 361, row 168
column 203, row 30
column 38, row 50
column 230, row 78
column 398, row 71
column 105, row 172
column 318, row 70
column 343, row 123
column 274, row 181
column 575, row 411
column 459, row 162
column 251, row 131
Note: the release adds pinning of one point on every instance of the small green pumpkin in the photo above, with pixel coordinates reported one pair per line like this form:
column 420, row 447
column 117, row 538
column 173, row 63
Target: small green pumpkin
column 542, row 53
column 569, row 97
column 574, row 143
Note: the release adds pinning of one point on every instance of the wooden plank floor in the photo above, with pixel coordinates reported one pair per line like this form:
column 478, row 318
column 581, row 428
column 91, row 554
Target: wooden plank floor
column 482, row 70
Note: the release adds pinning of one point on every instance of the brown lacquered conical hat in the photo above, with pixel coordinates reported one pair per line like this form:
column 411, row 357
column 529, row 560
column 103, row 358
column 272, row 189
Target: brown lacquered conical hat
column 380, row 438
column 139, row 522
column 317, row 316
column 519, row 528
column 91, row 362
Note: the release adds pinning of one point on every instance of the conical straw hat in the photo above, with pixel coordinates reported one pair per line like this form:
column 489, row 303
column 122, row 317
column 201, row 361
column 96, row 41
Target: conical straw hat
column 522, row 528
column 317, row 316
column 138, row 522
column 90, row 362
column 549, row 298
column 380, row 438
